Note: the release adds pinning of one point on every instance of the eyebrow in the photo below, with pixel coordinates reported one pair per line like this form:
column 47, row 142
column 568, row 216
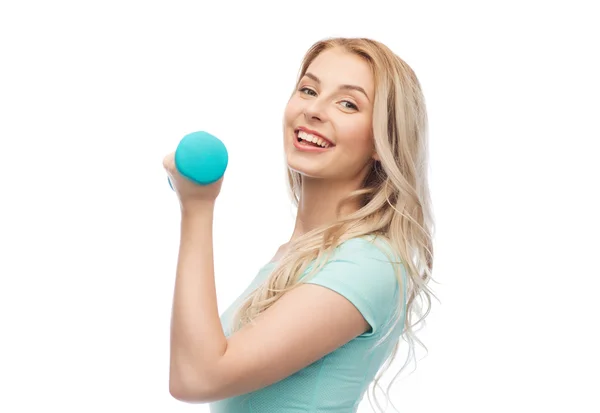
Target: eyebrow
column 342, row 87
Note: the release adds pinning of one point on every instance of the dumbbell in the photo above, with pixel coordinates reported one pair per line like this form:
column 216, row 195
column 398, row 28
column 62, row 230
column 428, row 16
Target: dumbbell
column 201, row 157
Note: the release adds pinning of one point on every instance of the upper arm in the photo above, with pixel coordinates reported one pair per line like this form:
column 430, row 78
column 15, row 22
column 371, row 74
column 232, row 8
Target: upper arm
column 338, row 304
column 302, row 326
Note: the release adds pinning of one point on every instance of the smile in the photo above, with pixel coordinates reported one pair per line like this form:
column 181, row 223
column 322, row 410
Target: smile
column 311, row 143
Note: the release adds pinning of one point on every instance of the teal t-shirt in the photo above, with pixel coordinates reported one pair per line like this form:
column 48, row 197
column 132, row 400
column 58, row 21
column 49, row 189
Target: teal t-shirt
column 360, row 271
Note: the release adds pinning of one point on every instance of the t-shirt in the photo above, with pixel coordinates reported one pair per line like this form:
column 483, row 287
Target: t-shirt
column 360, row 271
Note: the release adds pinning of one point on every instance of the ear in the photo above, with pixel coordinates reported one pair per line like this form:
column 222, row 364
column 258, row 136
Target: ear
column 375, row 155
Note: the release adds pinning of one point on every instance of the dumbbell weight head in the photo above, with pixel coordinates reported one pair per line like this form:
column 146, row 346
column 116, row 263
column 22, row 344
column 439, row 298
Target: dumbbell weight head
column 201, row 157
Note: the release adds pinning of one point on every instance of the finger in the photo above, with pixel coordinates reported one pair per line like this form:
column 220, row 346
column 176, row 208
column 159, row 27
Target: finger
column 169, row 162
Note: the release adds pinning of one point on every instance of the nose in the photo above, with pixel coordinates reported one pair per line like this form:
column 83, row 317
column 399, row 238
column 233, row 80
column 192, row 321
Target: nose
column 314, row 110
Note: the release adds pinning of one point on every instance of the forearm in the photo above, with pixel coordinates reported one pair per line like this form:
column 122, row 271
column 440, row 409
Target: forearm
column 197, row 338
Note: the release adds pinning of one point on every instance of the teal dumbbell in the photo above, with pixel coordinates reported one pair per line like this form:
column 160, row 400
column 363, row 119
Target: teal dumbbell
column 201, row 157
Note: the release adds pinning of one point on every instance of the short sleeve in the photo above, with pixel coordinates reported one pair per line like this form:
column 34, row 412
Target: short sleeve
column 361, row 272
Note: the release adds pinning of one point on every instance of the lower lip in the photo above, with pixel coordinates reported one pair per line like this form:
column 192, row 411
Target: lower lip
column 307, row 148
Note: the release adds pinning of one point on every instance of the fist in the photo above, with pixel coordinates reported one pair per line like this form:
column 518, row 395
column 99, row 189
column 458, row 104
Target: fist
column 189, row 192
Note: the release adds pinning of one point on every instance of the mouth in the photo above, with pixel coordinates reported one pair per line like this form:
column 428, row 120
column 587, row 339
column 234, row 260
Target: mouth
column 306, row 140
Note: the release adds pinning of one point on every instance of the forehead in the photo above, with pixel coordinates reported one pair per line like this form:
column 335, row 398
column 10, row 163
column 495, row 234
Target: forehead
column 337, row 67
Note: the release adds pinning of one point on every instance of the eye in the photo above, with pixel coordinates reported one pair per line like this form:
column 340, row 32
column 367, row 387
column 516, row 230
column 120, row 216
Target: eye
column 313, row 93
column 305, row 88
column 351, row 105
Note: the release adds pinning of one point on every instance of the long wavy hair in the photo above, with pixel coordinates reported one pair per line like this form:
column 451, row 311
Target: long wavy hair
column 394, row 200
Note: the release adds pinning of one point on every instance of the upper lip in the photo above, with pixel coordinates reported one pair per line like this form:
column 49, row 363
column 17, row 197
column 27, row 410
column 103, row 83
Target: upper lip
column 312, row 132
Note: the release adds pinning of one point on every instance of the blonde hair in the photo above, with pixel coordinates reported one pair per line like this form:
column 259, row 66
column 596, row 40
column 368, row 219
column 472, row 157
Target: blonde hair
column 395, row 203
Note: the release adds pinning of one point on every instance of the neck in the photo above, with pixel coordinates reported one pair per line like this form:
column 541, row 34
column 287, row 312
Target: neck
column 318, row 201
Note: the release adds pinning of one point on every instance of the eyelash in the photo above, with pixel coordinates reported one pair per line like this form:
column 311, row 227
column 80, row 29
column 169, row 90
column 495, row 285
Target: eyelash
column 353, row 105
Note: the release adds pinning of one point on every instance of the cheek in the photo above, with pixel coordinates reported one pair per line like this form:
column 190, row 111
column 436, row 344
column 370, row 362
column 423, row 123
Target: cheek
column 292, row 110
column 358, row 137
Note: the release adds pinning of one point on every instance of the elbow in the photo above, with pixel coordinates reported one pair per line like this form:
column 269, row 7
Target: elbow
column 187, row 391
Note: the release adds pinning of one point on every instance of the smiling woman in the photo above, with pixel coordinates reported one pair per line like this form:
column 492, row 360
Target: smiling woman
column 332, row 103
column 318, row 322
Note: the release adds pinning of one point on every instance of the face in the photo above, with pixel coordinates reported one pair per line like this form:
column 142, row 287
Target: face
column 333, row 105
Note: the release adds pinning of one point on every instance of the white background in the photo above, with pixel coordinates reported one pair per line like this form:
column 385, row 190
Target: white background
column 94, row 94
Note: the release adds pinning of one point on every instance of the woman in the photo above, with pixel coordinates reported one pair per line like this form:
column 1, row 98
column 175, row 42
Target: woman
column 312, row 330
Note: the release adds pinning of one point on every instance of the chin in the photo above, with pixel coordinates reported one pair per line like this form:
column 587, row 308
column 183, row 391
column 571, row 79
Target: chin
column 304, row 169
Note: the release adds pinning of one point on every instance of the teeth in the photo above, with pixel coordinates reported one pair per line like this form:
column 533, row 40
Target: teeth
column 312, row 138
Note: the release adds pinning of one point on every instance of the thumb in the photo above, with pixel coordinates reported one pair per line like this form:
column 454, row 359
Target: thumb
column 169, row 163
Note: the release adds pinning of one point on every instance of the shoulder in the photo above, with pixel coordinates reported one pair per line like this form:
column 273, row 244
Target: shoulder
column 373, row 255
column 362, row 270
column 367, row 247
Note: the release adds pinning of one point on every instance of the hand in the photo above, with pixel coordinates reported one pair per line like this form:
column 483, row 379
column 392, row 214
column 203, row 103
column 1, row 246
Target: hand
column 189, row 192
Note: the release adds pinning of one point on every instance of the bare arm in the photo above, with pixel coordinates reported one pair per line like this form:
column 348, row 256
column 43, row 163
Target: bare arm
column 197, row 337
column 207, row 366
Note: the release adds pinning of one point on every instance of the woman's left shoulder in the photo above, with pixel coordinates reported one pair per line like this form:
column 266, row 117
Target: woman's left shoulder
column 371, row 245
